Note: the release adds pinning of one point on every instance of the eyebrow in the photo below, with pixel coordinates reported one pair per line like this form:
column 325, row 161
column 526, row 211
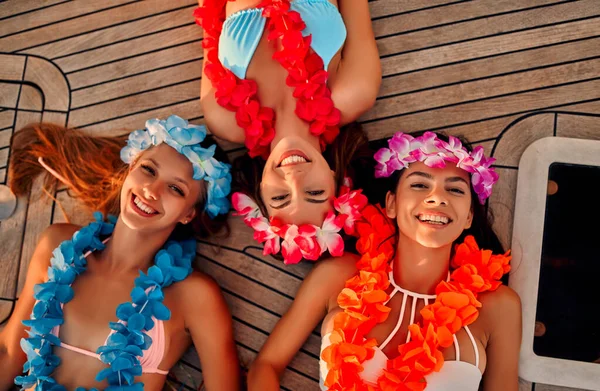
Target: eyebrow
column 177, row 179
column 281, row 206
column 429, row 176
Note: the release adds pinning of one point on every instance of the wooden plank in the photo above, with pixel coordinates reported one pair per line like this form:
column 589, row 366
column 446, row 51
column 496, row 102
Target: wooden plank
column 489, row 46
column 11, row 67
column 9, row 93
column 484, row 89
column 588, row 107
column 54, row 118
column 111, row 35
column 578, row 126
column 136, row 121
column 25, row 118
column 493, row 25
column 31, row 98
column 381, row 9
column 147, row 81
column 485, row 109
column 117, row 51
column 40, row 207
column 3, row 157
column 135, row 65
column 10, row 8
column 58, row 13
column 233, row 282
column 488, row 67
column 75, row 212
column 519, row 136
column 453, row 13
column 142, row 102
column 51, row 81
column 502, row 205
column 88, row 23
column 3, row 176
column 11, row 232
column 5, row 136
column 6, row 118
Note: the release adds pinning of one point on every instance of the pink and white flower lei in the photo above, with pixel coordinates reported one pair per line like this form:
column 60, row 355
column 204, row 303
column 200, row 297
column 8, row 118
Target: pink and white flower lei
column 429, row 149
column 306, row 240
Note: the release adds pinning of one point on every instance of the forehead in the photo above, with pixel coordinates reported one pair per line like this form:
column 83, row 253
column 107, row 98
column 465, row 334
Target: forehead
column 447, row 172
column 170, row 160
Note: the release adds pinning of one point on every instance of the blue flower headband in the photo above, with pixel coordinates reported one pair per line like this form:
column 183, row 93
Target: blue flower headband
column 185, row 138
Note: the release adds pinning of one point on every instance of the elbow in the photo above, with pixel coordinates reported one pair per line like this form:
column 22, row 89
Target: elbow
column 263, row 376
column 359, row 100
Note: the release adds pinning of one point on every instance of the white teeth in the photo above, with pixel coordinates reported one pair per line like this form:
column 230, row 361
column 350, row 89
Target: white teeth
column 434, row 219
column 292, row 159
column 143, row 206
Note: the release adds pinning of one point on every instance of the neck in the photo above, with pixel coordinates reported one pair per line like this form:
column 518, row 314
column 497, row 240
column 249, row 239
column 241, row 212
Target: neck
column 288, row 124
column 418, row 268
column 118, row 256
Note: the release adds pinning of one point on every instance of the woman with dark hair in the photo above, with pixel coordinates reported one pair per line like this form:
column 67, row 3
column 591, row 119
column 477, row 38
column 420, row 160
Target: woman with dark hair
column 282, row 76
column 166, row 184
column 423, row 306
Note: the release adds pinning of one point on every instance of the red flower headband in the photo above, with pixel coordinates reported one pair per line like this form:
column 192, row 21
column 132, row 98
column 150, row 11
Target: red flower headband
column 306, row 240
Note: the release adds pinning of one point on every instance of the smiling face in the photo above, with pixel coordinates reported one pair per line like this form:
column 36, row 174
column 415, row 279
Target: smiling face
column 159, row 191
column 431, row 206
column 297, row 184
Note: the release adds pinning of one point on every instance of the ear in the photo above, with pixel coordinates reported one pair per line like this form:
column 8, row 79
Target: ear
column 390, row 205
column 469, row 219
column 188, row 217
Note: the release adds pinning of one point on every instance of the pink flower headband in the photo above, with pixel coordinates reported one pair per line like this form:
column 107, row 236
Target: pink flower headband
column 429, row 149
column 303, row 241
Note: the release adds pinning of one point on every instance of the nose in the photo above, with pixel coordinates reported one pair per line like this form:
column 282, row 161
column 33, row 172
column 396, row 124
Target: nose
column 436, row 197
column 150, row 192
column 294, row 174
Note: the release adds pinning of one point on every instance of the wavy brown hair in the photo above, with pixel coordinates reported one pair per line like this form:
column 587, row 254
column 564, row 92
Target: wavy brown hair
column 92, row 168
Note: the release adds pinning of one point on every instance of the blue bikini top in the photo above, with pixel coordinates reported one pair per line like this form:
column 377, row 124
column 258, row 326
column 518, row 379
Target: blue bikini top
column 243, row 30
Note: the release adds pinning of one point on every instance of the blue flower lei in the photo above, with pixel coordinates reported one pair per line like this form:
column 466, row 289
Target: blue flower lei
column 185, row 138
column 124, row 346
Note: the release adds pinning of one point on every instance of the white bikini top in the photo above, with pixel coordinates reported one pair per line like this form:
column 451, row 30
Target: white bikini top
column 455, row 375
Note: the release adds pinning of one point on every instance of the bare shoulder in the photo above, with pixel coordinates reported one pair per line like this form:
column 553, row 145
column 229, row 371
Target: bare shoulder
column 335, row 270
column 500, row 306
column 197, row 290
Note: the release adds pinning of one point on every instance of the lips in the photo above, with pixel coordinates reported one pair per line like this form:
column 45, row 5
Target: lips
column 142, row 208
column 293, row 157
column 434, row 219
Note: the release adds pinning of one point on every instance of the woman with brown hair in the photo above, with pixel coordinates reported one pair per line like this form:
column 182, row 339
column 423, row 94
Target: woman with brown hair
column 168, row 183
column 282, row 76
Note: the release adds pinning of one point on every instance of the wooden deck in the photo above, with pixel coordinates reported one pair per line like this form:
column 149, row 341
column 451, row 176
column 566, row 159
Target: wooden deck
column 503, row 73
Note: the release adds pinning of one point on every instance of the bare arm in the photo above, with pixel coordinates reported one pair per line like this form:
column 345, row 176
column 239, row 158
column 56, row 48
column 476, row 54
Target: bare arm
column 220, row 121
column 209, row 322
column 308, row 309
column 11, row 355
column 502, row 369
column 356, row 83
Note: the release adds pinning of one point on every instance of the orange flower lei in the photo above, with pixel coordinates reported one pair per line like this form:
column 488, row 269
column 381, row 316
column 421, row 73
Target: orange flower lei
column 456, row 306
column 305, row 74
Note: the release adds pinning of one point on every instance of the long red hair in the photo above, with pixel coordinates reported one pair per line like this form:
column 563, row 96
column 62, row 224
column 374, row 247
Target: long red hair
column 91, row 167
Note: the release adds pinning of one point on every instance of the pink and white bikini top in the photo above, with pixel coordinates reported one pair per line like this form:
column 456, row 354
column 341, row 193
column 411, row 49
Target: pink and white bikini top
column 150, row 359
column 455, row 375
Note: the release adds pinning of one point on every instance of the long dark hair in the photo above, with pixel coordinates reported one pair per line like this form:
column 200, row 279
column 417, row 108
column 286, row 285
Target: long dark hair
column 483, row 219
column 93, row 169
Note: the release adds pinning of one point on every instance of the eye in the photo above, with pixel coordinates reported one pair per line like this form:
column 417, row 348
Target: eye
column 148, row 169
column 456, row 190
column 315, row 192
column 280, row 197
column 177, row 190
column 418, row 186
